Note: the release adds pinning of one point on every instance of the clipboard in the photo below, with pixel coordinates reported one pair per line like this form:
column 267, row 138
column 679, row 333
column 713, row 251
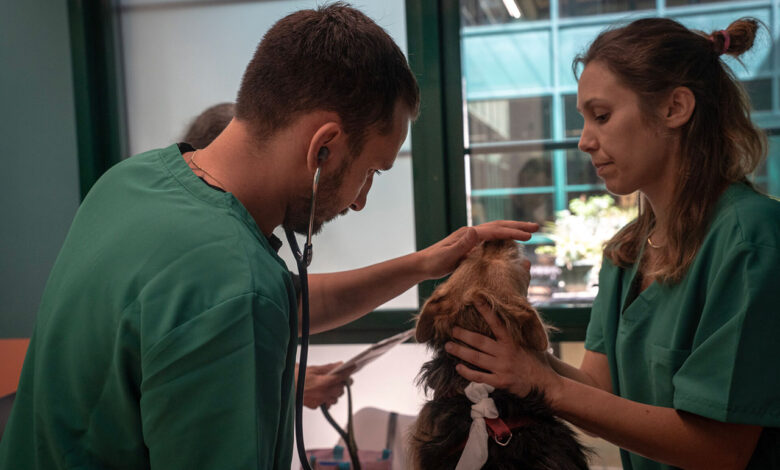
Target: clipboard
column 374, row 351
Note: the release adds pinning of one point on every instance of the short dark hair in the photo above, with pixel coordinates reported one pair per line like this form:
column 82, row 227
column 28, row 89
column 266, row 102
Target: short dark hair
column 334, row 58
column 209, row 124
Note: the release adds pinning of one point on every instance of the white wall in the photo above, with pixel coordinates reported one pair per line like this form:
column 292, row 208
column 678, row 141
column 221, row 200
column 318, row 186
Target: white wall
column 387, row 383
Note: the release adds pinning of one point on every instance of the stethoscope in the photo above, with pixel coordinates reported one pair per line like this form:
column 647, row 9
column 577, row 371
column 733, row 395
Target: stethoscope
column 303, row 260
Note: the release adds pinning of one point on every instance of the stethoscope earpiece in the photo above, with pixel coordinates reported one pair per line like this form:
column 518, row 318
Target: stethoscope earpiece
column 322, row 155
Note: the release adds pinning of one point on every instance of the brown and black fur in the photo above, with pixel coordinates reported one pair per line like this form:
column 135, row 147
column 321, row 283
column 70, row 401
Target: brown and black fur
column 491, row 273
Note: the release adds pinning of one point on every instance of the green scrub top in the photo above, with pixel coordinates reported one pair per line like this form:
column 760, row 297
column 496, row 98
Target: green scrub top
column 163, row 336
column 708, row 344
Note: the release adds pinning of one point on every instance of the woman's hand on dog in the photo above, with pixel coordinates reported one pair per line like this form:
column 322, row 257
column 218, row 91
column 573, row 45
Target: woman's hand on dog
column 511, row 367
column 443, row 257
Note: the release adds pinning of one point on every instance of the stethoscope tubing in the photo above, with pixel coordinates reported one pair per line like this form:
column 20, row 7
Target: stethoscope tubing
column 304, row 279
column 303, row 260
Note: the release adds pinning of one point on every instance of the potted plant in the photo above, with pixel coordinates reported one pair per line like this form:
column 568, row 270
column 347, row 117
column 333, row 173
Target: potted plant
column 579, row 234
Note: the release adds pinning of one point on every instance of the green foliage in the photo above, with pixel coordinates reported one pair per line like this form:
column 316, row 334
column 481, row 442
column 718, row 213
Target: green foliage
column 580, row 232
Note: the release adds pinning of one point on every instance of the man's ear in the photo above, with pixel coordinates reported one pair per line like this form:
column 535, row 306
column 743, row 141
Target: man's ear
column 328, row 135
column 678, row 107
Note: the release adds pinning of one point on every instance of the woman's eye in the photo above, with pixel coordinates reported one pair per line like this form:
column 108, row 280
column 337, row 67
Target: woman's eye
column 602, row 117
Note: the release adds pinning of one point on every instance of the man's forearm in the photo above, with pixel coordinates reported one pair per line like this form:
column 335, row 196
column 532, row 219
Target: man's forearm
column 339, row 298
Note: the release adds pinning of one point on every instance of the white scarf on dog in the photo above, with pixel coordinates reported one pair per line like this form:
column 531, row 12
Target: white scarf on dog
column 475, row 454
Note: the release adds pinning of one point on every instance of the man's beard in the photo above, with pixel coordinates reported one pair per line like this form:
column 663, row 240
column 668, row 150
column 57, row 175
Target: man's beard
column 297, row 215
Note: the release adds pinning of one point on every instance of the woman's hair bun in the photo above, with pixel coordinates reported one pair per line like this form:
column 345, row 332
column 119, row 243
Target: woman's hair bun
column 737, row 38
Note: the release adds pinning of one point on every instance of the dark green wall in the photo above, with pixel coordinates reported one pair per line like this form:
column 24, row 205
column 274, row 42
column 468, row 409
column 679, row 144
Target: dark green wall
column 39, row 189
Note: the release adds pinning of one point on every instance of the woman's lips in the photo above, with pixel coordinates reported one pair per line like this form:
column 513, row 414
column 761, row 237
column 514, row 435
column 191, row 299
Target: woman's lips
column 601, row 167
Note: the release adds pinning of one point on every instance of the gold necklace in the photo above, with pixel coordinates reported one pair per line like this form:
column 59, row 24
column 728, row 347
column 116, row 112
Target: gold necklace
column 206, row 173
column 653, row 245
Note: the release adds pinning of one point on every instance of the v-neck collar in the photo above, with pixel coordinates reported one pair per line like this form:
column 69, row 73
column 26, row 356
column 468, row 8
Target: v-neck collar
column 633, row 295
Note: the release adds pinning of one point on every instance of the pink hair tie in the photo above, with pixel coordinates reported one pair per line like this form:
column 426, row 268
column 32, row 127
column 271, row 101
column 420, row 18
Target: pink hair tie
column 726, row 40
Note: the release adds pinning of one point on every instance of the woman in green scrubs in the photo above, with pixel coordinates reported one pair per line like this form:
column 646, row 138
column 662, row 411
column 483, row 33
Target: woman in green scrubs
column 679, row 366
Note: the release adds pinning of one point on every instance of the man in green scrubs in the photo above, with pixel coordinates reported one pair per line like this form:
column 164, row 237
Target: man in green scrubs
column 164, row 338
column 322, row 386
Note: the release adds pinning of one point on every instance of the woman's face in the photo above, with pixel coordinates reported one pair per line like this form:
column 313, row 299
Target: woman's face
column 630, row 153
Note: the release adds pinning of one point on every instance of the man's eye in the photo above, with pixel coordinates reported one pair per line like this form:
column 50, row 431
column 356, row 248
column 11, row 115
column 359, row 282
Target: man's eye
column 602, row 117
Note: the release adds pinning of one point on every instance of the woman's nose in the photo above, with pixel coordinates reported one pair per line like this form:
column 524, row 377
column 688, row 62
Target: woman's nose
column 587, row 141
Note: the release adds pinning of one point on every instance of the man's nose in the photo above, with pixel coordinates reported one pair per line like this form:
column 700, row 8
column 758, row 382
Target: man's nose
column 360, row 202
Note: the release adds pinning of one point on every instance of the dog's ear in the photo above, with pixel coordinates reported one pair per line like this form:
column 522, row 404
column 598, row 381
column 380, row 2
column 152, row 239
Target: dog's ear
column 479, row 294
column 521, row 320
column 527, row 327
column 429, row 319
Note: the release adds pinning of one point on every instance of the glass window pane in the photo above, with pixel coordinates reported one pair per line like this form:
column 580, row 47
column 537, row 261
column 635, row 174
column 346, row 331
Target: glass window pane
column 679, row 3
column 528, row 207
column 504, row 120
column 573, row 120
column 514, row 186
column 579, row 169
column 760, row 92
column 584, row 195
column 600, row 7
column 486, row 12
column 511, row 170
column 573, row 38
column 506, row 65
column 767, row 175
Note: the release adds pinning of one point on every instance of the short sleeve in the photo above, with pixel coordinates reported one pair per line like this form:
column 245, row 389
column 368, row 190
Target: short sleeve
column 731, row 374
column 214, row 393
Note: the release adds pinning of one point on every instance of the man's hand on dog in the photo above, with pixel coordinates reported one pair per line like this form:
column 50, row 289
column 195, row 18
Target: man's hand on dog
column 321, row 387
column 511, row 367
column 443, row 257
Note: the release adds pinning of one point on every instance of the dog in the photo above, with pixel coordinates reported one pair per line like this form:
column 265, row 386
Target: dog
column 533, row 437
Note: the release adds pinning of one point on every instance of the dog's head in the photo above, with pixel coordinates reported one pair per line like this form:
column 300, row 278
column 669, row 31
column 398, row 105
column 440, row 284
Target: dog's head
column 495, row 272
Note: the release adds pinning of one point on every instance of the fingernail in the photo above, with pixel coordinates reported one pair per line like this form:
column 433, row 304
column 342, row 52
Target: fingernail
column 448, row 347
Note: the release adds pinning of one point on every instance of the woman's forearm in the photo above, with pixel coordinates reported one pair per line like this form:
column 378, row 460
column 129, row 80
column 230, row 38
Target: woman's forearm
column 579, row 375
column 663, row 434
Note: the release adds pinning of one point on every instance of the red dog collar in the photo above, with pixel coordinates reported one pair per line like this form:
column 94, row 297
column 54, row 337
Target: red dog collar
column 500, row 430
